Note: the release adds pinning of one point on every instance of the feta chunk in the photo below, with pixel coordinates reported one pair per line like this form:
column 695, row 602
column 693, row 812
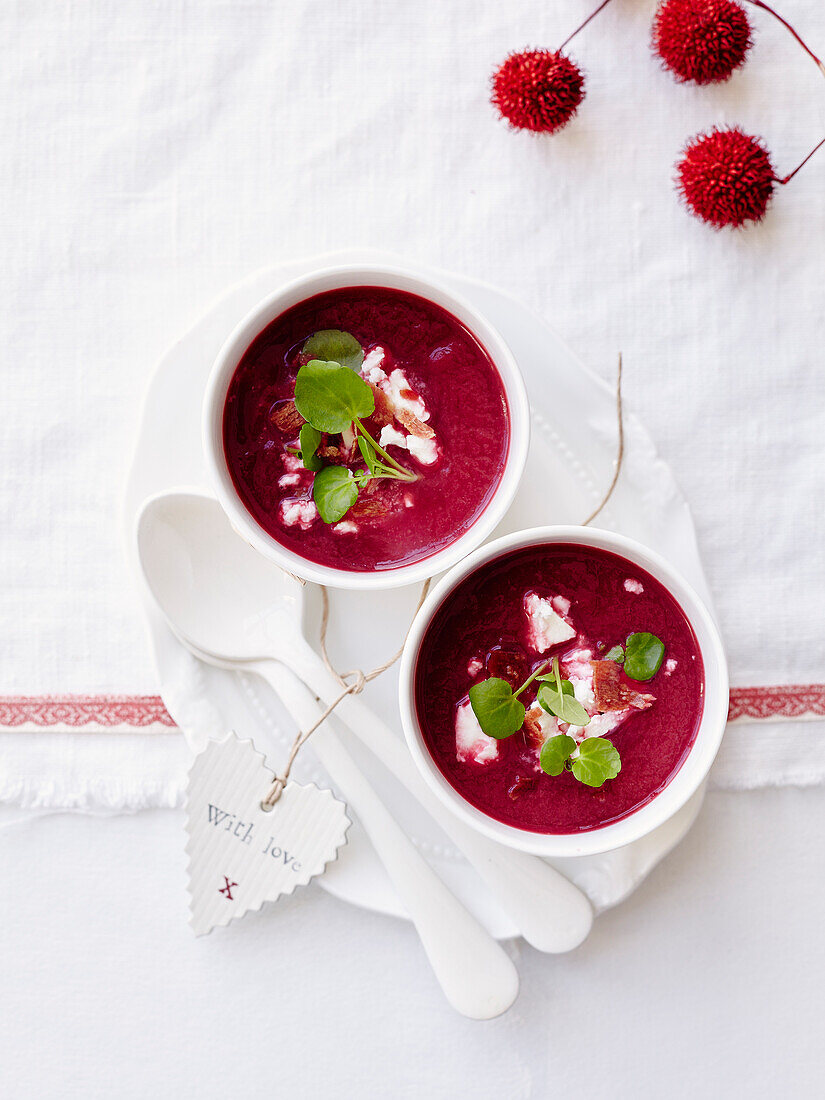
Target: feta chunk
column 403, row 396
column 391, row 437
column 600, row 725
column 545, row 626
column 425, row 450
column 298, row 513
column 474, row 666
column 346, row 527
column 634, row 586
column 471, row 743
column 372, row 365
column 576, row 667
column 285, row 480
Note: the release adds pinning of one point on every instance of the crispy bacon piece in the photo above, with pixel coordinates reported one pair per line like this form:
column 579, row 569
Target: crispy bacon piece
column 522, row 785
column 532, row 727
column 383, row 409
column 334, row 455
column 413, row 425
column 371, row 504
column 612, row 693
column 286, row 418
column 507, row 664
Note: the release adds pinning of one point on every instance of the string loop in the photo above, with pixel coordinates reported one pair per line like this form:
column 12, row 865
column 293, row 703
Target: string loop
column 352, row 683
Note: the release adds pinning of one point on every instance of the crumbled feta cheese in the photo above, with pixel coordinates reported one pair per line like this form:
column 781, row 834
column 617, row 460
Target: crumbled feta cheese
column 395, row 385
column 408, row 501
column 292, row 462
column 634, row 586
column 561, row 605
column 425, row 450
column 471, row 743
column 403, row 396
column 600, row 725
column 576, row 667
column 289, row 479
column 298, row 513
column 474, row 667
column 548, row 725
column 372, row 366
column 391, row 437
column 670, row 666
column 346, row 527
column 545, row 626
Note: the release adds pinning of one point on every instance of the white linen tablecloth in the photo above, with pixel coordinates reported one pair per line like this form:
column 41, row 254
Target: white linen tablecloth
column 158, row 150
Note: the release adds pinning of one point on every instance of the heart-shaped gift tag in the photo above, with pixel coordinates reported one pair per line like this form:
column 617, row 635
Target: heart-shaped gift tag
column 240, row 854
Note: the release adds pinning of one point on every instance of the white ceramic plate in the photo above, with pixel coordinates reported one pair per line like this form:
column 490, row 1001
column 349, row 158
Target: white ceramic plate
column 570, row 464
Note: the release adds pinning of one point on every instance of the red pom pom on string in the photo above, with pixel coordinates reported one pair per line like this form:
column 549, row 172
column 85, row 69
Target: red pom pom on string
column 701, row 41
column 538, row 90
column 726, row 177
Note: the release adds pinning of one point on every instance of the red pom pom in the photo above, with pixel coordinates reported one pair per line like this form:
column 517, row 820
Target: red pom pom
column 702, row 41
column 538, row 90
column 726, row 177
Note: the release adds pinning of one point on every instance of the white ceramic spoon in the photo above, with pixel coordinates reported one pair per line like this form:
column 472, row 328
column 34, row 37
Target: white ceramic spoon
column 476, row 975
column 225, row 600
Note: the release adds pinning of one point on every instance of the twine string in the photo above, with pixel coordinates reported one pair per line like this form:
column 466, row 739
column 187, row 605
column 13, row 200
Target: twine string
column 352, row 683
column 619, row 451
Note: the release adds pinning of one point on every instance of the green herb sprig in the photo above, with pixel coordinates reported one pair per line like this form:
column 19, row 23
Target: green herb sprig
column 557, row 698
column 497, row 707
column 501, row 713
column 332, row 398
column 596, row 761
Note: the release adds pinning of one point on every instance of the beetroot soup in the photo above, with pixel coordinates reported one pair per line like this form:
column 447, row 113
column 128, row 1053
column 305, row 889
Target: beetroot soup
column 414, row 465
column 613, row 697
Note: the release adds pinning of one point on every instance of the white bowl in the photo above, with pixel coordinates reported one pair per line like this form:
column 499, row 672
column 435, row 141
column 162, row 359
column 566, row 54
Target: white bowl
column 298, row 291
column 694, row 767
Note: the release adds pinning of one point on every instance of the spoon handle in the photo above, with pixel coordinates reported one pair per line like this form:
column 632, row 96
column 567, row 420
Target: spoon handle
column 550, row 912
column 477, row 976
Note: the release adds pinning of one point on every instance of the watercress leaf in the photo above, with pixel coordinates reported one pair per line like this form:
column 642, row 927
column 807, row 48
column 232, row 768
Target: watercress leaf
column 615, row 654
column 334, row 492
column 334, row 346
column 565, row 706
column 498, row 711
column 643, row 656
column 308, row 440
column 566, row 686
column 329, row 396
column 369, row 456
column 597, row 761
column 573, row 712
column 555, row 752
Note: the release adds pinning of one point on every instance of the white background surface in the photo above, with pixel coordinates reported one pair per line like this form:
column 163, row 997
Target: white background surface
column 158, row 150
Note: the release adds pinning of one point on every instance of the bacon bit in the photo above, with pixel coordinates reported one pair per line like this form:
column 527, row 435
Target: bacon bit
column 383, row 409
column 532, row 727
column 371, row 504
column 369, row 508
column 413, row 425
column 507, row 664
column 337, row 455
column 286, row 418
column 522, row 785
column 612, row 693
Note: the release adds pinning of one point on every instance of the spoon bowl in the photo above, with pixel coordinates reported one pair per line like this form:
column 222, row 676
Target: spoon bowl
column 188, row 551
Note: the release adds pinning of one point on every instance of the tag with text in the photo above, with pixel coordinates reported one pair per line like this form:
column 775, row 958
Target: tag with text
column 241, row 855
